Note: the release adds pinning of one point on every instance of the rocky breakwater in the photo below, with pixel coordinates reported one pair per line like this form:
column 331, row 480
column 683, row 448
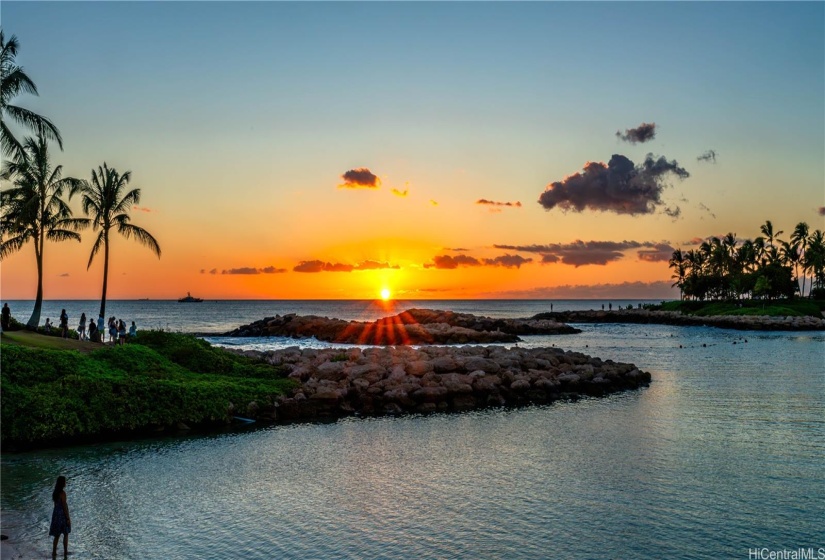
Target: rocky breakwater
column 415, row 326
column 397, row 380
column 740, row 322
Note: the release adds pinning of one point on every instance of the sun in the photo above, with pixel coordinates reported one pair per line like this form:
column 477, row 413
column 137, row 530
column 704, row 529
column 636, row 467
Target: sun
column 385, row 294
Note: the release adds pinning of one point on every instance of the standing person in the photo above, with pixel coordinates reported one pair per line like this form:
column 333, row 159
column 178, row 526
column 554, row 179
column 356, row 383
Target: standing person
column 100, row 328
column 64, row 324
column 112, row 330
column 132, row 331
column 94, row 334
column 121, row 332
column 48, row 326
column 61, row 522
column 6, row 317
column 81, row 328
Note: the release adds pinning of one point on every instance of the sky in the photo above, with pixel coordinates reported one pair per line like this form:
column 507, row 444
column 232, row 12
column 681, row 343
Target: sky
column 437, row 150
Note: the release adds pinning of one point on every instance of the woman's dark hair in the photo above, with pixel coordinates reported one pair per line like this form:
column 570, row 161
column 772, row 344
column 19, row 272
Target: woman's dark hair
column 58, row 488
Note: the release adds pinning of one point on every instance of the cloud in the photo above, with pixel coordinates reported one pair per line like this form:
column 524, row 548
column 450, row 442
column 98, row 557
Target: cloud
column 64, row 275
column 241, row 270
column 508, row 261
column 322, row 266
column 660, row 253
column 457, row 249
column 433, row 202
column 709, row 156
column 642, row 133
column 581, row 253
column 374, row 265
column 213, row 271
column 360, row 178
column 693, row 241
column 142, row 209
column 673, row 211
column 396, row 192
column 272, row 270
column 625, row 290
column 821, row 210
column 706, row 209
column 450, row 262
column 620, row 186
column 495, row 203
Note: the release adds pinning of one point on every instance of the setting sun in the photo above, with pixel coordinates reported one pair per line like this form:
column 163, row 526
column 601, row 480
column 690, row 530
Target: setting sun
column 385, row 294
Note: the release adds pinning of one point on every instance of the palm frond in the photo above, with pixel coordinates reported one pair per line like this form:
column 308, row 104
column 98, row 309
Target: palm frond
column 34, row 121
column 96, row 247
column 141, row 235
column 62, row 235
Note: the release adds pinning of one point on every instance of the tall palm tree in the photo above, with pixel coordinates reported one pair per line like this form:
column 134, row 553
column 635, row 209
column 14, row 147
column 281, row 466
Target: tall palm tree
column 679, row 264
column 34, row 210
column 108, row 202
column 767, row 231
column 814, row 260
column 799, row 237
column 14, row 82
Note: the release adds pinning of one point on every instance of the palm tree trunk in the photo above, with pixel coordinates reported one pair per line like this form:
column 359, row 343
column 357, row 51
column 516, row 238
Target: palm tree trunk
column 105, row 279
column 34, row 320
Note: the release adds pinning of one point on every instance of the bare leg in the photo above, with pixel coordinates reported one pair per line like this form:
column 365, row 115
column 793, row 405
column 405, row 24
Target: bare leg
column 54, row 545
column 65, row 544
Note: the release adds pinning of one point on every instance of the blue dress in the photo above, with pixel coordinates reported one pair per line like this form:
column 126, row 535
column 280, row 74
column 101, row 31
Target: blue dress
column 59, row 525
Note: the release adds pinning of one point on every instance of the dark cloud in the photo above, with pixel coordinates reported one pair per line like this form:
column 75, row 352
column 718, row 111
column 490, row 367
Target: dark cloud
column 709, row 156
column 361, row 178
column 706, row 209
column 581, row 253
column 457, row 249
column 64, row 275
column 508, row 261
column 620, row 186
column 241, row 270
column 660, row 253
column 673, row 211
column 625, row 290
column 484, row 201
column 821, row 210
column 213, row 271
column 642, row 133
column 694, row 241
column 321, row 266
column 450, row 262
column 273, row 270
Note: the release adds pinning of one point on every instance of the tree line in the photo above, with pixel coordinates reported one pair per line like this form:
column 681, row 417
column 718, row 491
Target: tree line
column 764, row 267
column 36, row 207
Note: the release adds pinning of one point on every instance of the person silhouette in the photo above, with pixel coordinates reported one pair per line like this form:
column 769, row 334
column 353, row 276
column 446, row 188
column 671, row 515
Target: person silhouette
column 61, row 522
column 6, row 317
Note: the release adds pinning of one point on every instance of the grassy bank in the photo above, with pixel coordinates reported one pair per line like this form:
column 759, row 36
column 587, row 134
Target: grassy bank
column 56, row 395
column 781, row 308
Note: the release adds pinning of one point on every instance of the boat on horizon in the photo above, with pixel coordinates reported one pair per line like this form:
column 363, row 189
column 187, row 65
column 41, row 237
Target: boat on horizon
column 189, row 299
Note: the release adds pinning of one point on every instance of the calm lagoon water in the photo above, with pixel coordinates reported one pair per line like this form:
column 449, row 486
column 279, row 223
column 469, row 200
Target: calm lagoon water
column 725, row 451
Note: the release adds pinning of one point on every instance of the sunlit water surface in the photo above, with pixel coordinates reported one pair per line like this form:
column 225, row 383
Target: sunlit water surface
column 725, row 451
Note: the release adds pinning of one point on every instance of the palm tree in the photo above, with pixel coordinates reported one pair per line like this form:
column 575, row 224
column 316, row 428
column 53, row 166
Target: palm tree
column 815, row 260
column 14, row 82
column 799, row 237
column 106, row 200
column 678, row 262
column 767, row 231
column 33, row 209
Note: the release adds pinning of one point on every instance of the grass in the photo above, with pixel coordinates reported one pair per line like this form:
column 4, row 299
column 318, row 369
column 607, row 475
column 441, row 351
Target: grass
column 781, row 308
column 31, row 339
column 59, row 391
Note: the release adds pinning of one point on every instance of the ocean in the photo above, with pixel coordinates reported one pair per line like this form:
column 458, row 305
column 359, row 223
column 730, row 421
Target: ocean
column 721, row 456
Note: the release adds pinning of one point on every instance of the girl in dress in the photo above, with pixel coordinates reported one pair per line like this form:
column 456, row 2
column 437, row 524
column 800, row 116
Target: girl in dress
column 61, row 522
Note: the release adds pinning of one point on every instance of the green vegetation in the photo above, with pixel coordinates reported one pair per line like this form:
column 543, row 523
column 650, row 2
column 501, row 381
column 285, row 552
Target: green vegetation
column 56, row 396
column 786, row 308
column 765, row 268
